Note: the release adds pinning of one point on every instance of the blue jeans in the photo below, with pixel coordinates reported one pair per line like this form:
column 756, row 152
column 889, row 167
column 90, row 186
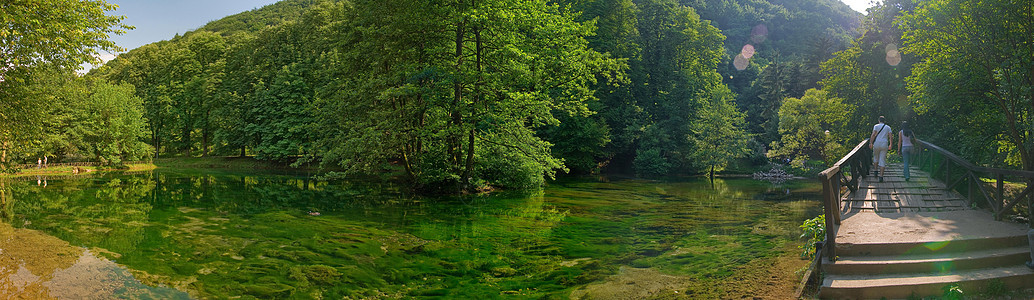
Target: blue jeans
column 906, row 153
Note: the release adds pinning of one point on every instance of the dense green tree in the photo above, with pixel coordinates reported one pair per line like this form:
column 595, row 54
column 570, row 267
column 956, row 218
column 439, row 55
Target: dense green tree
column 680, row 54
column 465, row 93
column 718, row 132
column 440, row 89
column 38, row 35
column 87, row 119
column 672, row 55
column 870, row 75
column 976, row 71
column 808, row 127
column 110, row 124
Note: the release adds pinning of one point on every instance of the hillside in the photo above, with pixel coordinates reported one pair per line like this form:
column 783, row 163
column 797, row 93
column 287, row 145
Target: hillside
column 272, row 83
column 255, row 20
column 792, row 26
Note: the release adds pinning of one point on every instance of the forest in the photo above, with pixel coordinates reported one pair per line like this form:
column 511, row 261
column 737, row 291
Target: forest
column 452, row 96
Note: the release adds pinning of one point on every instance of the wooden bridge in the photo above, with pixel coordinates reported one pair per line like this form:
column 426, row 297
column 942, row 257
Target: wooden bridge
column 898, row 239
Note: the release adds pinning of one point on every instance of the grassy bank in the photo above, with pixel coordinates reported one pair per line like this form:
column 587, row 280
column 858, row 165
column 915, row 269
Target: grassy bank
column 231, row 164
column 67, row 170
column 186, row 163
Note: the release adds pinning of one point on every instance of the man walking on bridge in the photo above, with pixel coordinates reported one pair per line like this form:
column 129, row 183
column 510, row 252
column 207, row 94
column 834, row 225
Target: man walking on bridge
column 880, row 142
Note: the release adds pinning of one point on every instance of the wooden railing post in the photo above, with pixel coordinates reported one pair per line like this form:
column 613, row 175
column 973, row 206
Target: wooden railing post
column 830, row 210
column 836, row 195
column 999, row 195
column 969, row 189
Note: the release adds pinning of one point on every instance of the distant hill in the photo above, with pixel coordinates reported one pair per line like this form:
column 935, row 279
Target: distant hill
column 255, row 20
column 792, row 26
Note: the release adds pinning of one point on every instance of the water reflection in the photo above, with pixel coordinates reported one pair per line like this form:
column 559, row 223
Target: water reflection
column 226, row 235
column 38, row 266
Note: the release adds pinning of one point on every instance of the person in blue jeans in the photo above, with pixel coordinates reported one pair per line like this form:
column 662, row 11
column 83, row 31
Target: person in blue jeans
column 907, row 139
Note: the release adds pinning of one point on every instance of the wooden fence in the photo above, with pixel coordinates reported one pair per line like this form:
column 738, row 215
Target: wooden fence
column 968, row 179
column 957, row 174
column 856, row 163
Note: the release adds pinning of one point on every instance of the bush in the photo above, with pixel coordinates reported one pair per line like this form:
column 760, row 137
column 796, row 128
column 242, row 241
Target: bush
column 650, row 163
column 814, row 231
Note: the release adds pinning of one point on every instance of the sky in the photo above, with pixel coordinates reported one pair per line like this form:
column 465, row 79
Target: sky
column 858, row 5
column 157, row 20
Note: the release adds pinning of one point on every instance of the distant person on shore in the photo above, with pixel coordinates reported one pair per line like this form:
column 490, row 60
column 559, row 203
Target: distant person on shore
column 39, row 163
column 906, row 140
column 45, row 161
column 880, row 142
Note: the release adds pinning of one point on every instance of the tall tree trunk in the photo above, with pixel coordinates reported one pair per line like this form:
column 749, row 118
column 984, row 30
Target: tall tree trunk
column 470, row 158
column 469, row 167
column 186, row 140
column 204, row 142
column 456, row 114
column 3, row 154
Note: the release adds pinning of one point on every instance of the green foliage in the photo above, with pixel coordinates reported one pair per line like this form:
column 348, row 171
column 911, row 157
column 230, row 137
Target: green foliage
column 486, row 76
column 54, row 33
column 579, row 140
column 718, row 132
column 651, row 163
column 812, row 127
column 37, row 38
column 86, row 119
column 814, row 230
column 110, row 125
column 495, row 92
column 870, row 74
column 790, row 39
column 973, row 76
column 672, row 56
column 996, row 287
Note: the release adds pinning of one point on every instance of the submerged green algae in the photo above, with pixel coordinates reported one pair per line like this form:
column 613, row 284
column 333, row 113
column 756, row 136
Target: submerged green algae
column 224, row 235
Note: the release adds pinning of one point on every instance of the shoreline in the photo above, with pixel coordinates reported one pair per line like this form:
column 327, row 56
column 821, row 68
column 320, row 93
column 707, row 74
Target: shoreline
column 67, row 171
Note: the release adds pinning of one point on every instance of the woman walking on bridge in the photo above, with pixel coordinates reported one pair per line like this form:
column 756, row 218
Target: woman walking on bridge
column 906, row 139
column 880, row 142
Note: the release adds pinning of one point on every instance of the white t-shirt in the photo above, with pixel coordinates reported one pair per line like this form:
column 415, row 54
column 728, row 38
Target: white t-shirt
column 883, row 138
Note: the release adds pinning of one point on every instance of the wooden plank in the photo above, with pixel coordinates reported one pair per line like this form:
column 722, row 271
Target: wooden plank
column 885, row 205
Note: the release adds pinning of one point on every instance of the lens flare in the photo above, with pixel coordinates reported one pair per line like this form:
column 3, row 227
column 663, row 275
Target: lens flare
column 747, row 51
column 936, row 245
column 740, row 62
column 759, row 33
column 893, row 56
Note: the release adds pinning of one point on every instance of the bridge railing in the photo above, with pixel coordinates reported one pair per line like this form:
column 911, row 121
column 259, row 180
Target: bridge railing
column 968, row 179
column 857, row 164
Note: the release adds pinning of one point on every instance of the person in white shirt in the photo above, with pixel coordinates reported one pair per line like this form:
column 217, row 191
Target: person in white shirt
column 880, row 142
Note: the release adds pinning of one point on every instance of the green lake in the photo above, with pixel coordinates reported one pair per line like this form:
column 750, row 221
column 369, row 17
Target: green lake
column 177, row 235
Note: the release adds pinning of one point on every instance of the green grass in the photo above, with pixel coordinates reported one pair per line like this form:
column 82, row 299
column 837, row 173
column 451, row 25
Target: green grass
column 67, row 170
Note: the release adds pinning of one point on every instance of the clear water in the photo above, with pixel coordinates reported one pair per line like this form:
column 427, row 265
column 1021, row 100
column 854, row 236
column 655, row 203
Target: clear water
column 167, row 234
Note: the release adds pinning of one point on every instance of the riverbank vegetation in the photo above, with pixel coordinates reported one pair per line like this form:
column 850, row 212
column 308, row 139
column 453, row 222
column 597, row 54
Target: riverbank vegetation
column 510, row 93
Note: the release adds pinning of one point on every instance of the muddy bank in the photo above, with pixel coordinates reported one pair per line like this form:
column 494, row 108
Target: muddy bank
column 34, row 265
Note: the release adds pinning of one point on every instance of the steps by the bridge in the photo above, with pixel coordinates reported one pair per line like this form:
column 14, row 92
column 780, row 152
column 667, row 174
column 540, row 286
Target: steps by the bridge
column 897, row 255
column 900, row 286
